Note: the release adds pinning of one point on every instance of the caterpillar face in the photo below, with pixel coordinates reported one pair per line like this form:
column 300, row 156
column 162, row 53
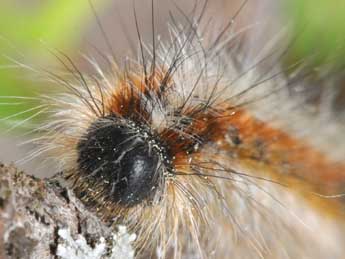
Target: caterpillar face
column 185, row 147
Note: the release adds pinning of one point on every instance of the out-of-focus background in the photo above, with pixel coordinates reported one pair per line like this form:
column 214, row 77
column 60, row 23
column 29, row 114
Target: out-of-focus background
column 30, row 29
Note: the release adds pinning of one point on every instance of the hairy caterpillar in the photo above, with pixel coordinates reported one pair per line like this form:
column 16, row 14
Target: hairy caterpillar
column 200, row 151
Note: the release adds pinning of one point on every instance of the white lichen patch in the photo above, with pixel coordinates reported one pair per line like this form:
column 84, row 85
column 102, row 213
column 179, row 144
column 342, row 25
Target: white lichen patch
column 71, row 248
column 78, row 249
column 122, row 241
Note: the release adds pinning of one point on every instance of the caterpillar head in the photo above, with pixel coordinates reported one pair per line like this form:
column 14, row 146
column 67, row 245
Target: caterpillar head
column 129, row 161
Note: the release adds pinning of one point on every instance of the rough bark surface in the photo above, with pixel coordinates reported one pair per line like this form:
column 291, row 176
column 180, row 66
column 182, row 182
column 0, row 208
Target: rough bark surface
column 32, row 211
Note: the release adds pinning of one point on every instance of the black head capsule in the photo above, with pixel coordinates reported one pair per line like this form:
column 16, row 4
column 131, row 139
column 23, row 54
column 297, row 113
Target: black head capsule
column 122, row 161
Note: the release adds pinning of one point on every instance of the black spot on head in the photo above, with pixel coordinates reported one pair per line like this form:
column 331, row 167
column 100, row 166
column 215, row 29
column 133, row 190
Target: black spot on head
column 121, row 161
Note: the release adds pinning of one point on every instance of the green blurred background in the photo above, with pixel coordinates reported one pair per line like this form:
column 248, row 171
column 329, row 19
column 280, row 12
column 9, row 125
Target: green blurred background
column 322, row 26
column 29, row 28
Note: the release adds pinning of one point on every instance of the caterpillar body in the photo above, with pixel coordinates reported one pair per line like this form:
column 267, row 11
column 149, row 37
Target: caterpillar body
column 200, row 152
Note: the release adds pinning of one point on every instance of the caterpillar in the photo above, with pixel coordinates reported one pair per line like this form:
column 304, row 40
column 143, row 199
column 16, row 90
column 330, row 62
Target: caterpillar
column 201, row 150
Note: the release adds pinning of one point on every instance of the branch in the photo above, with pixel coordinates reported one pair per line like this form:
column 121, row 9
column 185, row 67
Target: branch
column 41, row 219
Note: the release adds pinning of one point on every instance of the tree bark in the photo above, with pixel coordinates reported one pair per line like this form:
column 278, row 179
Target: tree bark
column 33, row 212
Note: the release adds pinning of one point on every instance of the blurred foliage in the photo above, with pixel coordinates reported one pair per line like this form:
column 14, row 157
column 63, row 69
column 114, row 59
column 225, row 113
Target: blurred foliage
column 320, row 25
column 23, row 24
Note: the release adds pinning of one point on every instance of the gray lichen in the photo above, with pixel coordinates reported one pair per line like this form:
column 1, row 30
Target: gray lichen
column 35, row 215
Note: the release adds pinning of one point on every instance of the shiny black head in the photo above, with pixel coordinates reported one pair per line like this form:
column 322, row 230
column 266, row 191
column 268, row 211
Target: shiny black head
column 123, row 159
